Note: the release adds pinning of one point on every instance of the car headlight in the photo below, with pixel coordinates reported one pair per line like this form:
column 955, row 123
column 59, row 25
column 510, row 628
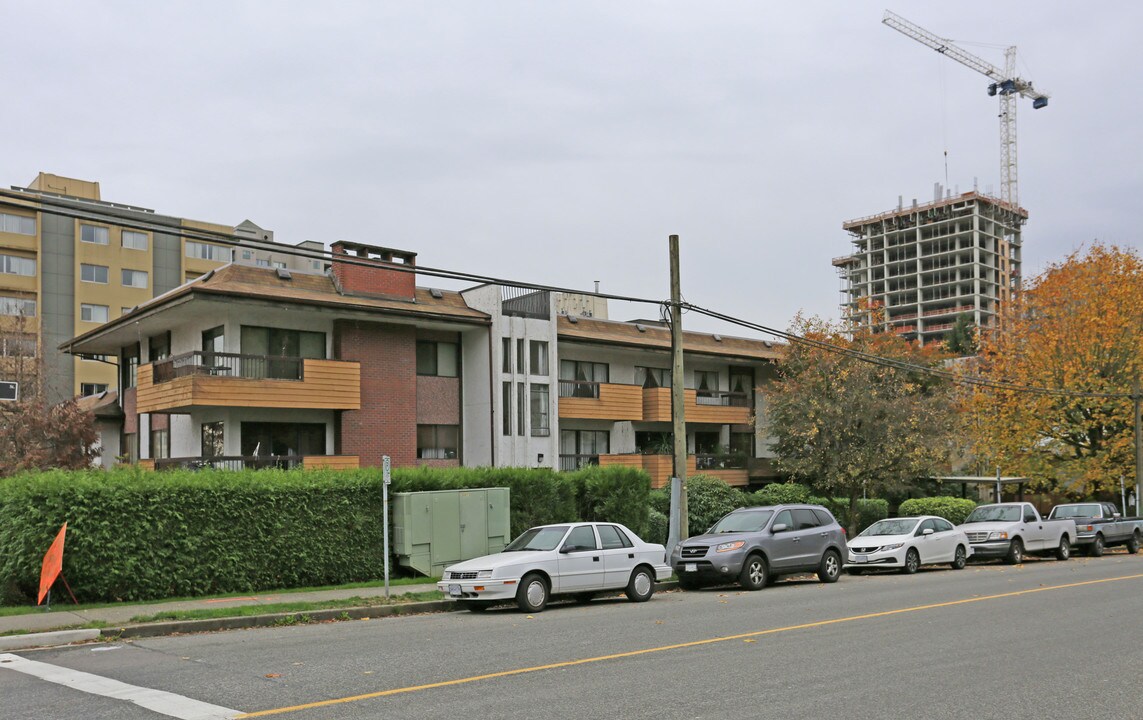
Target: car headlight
column 893, row 546
column 998, row 535
column 728, row 546
column 483, row 574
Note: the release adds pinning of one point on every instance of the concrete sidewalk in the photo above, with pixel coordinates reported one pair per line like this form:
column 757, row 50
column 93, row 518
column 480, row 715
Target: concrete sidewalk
column 40, row 628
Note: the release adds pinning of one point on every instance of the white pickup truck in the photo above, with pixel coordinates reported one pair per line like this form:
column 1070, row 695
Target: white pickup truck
column 1009, row 530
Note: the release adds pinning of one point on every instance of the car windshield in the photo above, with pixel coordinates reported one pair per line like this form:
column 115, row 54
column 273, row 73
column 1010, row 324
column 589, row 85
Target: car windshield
column 1076, row 511
column 743, row 522
column 538, row 538
column 896, row 526
column 994, row 513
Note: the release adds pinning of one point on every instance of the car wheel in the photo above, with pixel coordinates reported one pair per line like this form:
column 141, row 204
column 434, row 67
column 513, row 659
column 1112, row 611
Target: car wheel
column 912, row 561
column 1096, row 548
column 476, row 606
column 855, row 571
column 532, row 595
column 830, row 569
column 689, row 583
column 1015, row 554
column 641, row 586
column 959, row 558
column 1133, row 543
column 1064, row 551
column 754, row 573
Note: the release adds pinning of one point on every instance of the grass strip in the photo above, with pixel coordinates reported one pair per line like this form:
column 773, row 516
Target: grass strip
column 287, row 607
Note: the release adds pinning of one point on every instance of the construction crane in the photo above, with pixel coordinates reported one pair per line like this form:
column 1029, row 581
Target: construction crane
column 1005, row 83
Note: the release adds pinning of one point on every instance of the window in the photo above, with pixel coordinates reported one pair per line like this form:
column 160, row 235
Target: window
column 212, row 439
column 159, row 347
column 805, row 519
column 262, row 262
column 581, row 379
column 436, row 358
column 649, row 377
column 12, row 265
column 246, row 255
column 583, row 538
column 520, row 357
column 612, row 537
column 278, row 351
column 538, row 359
column 18, row 346
column 9, row 390
column 926, row 525
column 135, row 279
column 18, row 224
column 96, row 358
column 129, row 367
column 519, row 408
column 213, row 339
column 262, row 439
column 93, row 273
column 93, row 234
column 579, row 448
column 742, row 443
column 21, row 307
column 279, row 264
column 506, row 408
column 506, row 351
column 784, row 518
column 438, row 442
column 134, row 240
column 160, row 443
column 206, row 251
column 706, row 443
column 539, row 410
column 706, row 381
column 93, row 313
column 649, row 442
column 86, row 389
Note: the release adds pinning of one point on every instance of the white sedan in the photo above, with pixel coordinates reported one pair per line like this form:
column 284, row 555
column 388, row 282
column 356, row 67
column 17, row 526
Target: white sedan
column 578, row 559
column 908, row 543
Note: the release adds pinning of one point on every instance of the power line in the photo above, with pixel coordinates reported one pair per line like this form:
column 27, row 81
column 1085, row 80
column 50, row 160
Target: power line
column 66, row 208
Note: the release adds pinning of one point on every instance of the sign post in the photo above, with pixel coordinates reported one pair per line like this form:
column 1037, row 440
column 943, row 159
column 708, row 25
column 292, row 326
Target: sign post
column 385, row 467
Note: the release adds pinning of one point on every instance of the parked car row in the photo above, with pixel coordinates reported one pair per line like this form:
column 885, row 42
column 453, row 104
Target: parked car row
column 758, row 545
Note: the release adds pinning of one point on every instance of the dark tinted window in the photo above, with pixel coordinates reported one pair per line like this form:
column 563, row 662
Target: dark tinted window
column 583, row 537
column 612, row 537
column 824, row 518
column 805, row 519
column 942, row 525
column 926, row 525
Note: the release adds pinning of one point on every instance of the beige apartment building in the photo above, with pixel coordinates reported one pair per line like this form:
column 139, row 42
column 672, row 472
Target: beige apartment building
column 71, row 261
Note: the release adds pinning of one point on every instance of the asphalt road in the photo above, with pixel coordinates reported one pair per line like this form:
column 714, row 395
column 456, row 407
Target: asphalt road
column 1042, row 640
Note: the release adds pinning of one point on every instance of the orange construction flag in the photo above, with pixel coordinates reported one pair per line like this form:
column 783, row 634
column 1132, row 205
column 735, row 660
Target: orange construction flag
column 53, row 564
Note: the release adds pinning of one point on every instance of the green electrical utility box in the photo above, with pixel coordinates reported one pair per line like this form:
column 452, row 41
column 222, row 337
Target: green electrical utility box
column 432, row 530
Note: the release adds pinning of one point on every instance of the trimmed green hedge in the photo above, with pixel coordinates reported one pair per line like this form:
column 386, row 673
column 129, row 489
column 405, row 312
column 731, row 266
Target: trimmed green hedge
column 142, row 535
column 953, row 509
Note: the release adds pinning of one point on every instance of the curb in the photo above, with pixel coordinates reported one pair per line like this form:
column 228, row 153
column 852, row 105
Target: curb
column 47, row 639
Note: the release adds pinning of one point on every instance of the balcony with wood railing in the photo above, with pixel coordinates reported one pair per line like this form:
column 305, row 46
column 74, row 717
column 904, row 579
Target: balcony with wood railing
column 211, row 379
column 600, row 401
column 701, row 406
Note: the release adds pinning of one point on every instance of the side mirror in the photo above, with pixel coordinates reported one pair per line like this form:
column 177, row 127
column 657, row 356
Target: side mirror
column 568, row 549
column 927, row 531
column 1116, row 514
column 780, row 527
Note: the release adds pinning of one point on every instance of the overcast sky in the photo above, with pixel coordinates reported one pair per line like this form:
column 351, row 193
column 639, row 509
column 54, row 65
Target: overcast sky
column 562, row 142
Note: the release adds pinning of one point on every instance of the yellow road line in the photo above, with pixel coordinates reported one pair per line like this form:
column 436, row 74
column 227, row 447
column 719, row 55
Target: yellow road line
column 678, row 646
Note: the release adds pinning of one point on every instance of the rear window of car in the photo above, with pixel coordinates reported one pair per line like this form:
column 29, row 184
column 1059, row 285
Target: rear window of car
column 612, row 537
column 805, row 519
column 942, row 525
column 824, row 518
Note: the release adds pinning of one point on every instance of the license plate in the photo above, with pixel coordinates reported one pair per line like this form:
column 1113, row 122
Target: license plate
column 454, row 590
column 690, row 567
column 860, row 558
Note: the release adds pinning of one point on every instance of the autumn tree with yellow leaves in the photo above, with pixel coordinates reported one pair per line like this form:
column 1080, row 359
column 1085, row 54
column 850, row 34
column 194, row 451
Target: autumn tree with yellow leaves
column 1078, row 327
column 847, row 426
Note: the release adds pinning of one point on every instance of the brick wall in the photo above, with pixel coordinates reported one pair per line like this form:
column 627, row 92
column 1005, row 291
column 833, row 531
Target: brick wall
column 438, row 400
column 130, row 417
column 386, row 424
column 370, row 274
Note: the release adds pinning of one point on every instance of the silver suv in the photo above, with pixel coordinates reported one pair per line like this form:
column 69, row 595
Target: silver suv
column 755, row 546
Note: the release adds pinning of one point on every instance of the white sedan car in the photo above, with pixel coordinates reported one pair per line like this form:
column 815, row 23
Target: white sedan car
column 578, row 559
column 908, row 543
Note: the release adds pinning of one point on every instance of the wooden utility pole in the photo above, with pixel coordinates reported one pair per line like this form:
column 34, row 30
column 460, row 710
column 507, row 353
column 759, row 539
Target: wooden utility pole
column 1137, row 400
column 678, row 418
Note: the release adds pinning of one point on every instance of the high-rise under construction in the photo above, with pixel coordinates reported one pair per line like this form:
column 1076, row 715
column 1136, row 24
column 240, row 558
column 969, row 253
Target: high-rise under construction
column 915, row 269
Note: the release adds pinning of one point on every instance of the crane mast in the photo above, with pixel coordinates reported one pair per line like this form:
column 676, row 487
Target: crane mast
column 1005, row 83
